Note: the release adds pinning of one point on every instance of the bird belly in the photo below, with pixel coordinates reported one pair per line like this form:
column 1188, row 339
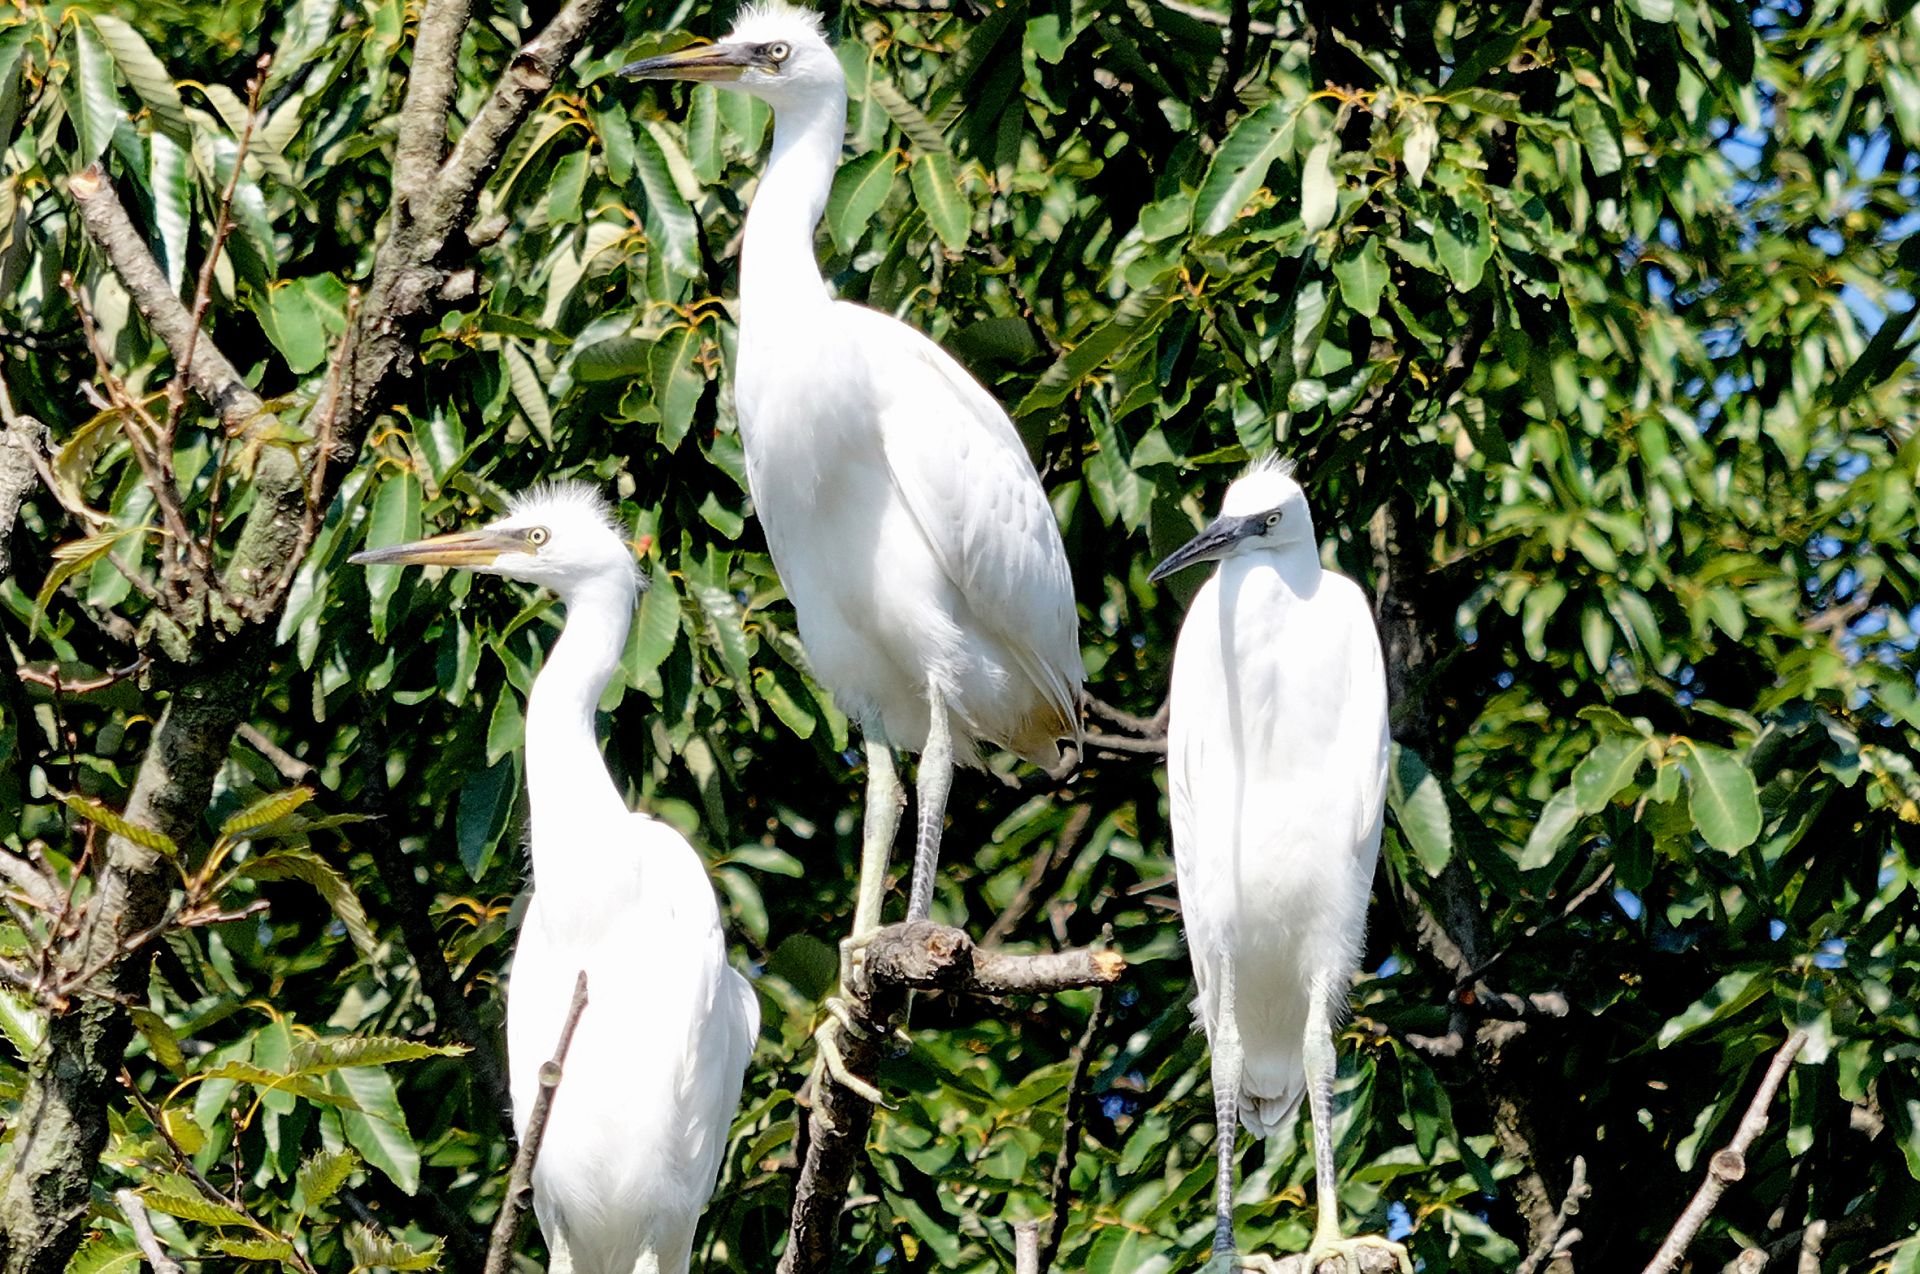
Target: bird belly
column 880, row 619
column 618, row 1174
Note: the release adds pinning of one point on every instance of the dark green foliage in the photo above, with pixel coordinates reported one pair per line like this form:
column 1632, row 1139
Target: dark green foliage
column 1587, row 325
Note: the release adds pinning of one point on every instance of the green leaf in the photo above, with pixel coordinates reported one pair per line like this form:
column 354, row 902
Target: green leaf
column 915, row 125
column 395, row 519
column 480, row 814
column 860, row 190
column 382, row 1251
column 1319, row 193
column 1653, row 10
column 171, row 180
column 1610, row 766
column 566, row 183
column 1722, row 797
column 106, row 1254
column 94, row 812
column 305, row 865
column 1132, row 322
column 1461, row 241
column 255, row 1248
column 678, row 382
column 268, row 809
column 378, row 1129
column 724, row 622
column 506, row 728
column 1557, row 818
column 937, row 190
column 669, row 218
column 1362, row 274
column 1419, row 805
column 658, row 629
column 313, row 1055
column 1240, row 166
column 69, row 560
column 176, row 1196
column 528, row 389
column 145, row 73
column 97, row 112
column 1732, row 993
column 322, row 1175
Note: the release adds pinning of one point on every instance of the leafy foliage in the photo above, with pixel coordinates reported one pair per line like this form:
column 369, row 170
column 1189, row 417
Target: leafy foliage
column 1588, row 326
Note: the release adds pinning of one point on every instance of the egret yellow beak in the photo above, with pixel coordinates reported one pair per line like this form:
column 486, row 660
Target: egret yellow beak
column 460, row 548
column 706, row 63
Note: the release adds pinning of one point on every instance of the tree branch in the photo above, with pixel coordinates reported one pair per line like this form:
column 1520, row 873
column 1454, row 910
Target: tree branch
column 513, row 1208
column 1558, row 1238
column 1083, row 1048
column 143, row 1235
column 1729, row 1163
column 920, row 955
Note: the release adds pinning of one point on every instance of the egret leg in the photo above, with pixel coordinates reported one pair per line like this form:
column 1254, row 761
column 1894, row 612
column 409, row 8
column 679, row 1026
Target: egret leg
column 1227, row 1064
column 879, row 823
column 1322, row 1064
column 559, row 1259
column 930, row 799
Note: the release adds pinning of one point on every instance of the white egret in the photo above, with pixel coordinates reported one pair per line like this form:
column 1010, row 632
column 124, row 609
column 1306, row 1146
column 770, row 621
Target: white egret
column 901, row 509
column 1277, row 766
column 638, row 1125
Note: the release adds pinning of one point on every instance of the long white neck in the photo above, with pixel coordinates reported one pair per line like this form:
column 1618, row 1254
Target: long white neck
column 567, row 778
column 778, row 271
column 1297, row 562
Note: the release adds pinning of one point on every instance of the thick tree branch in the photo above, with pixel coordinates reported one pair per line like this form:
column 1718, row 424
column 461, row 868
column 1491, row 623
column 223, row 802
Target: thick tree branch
column 513, row 1208
column 1729, row 1163
column 1558, row 1237
column 921, row 955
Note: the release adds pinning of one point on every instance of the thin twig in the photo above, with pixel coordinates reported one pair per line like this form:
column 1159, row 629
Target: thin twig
column 1083, row 1050
column 1729, row 1163
column 1153, row 746
column 1558, row 1237
column 513, row 1208
column 53, row 682
column 291, row 767
column 1026, row 1248
column 1044, row 866
column 143, row 1235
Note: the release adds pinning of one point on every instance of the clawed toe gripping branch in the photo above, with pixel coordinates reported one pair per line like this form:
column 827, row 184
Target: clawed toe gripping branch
column 918, row 956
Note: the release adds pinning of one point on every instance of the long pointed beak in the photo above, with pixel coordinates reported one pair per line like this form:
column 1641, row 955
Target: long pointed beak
column 706, row 63
column 460, row 548
column 1208, row 546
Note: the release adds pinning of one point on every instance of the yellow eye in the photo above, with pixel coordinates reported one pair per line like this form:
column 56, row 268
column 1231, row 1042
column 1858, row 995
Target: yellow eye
column 537, row 536
column 778, row 51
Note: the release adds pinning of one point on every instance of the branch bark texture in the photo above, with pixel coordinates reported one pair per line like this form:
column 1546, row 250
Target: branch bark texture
column 920, row 955
column 513, row 1208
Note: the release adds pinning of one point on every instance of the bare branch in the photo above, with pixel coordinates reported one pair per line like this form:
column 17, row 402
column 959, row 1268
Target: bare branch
column 513, row 1209
column 1154, row 746
column 422, row 144
column 924, row 956
column 1729, row 1163
column 1558, row 1238
column 143, row 1235
column 1083, row 1050
column 1026, row 1248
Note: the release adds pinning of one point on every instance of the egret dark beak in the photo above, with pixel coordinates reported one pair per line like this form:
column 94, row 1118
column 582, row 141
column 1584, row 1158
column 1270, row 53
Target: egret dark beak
column 705, row 63
column 1208, row 546
column 461, row 548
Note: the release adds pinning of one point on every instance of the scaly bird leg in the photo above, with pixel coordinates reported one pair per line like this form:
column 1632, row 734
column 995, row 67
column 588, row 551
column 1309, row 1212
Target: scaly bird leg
column 1227, row 1064
column 880, row 822
column 1322, row 1065
column 930, row 800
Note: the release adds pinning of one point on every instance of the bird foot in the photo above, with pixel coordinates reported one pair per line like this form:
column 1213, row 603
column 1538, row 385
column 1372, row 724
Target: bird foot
column 1347, row 1252
column 826, row 1041
column 1227, row 1262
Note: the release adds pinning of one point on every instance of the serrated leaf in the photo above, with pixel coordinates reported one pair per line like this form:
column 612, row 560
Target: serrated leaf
column 322, row 1175
column 1240, row 166
column 268, row 809
column 94, row 812
column 528, row 390
column 378, row 1129
column 316, row 1055
column 270, row 1080
column 301, row 864
column 1722, row 797
column 97, row 111
column 255, row 1248
column 145, row 73
column 918, row 128
column 385, row 1252
column 937, row 190
column 69, row 560
column 105, row 1254
column 176, row 1196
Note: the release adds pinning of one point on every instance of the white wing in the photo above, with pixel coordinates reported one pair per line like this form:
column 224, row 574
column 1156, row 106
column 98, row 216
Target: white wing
column 965, row 475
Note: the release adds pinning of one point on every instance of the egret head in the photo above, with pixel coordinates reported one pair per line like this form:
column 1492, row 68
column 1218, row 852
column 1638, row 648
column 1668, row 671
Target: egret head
column 560, row 535
column 1264, row 510
column 775, row 51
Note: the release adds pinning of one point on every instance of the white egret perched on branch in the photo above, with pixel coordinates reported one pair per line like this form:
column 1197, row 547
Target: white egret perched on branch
column 1277, row 766
column 901, row 509
column 638, row 1126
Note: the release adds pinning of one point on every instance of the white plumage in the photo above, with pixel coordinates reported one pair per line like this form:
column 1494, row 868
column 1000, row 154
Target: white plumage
column 1277, row 766
column 638, row 1125
column 901, row 508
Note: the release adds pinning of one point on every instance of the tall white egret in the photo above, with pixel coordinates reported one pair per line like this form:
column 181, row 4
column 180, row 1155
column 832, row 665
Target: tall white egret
column 1277, row 765
column 638, row 1126
column 901, row 509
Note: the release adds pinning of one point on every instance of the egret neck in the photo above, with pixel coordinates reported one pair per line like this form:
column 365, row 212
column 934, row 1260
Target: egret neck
column 1297, row 562
column 568, row 785
column 779, row 274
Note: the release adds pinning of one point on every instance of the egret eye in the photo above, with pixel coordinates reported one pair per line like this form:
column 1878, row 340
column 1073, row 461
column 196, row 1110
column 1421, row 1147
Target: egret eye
column 1273, row 519
column 777, row 52
column 536, row 536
